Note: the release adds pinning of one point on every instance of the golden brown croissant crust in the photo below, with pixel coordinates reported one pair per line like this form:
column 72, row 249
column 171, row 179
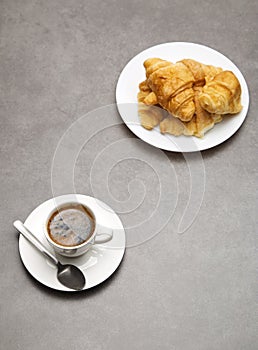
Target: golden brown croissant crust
column 172, row 84
column 194, row 95
column 222, row 94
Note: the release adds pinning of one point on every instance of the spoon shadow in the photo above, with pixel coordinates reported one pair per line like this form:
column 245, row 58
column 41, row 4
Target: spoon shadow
column 75, row 295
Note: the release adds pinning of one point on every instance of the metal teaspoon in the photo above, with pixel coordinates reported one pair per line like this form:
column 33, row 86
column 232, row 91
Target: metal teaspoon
column 69, row 275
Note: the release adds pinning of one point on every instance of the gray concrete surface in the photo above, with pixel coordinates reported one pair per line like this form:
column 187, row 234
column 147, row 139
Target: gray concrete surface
column 195, row 291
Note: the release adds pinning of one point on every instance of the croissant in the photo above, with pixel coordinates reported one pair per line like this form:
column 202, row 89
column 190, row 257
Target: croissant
column 204, row 120
column 150, row 116
column 222, row 94
column 175, row 126
column 172, row 85
column 202, row 73
column 193, row 96
column 201, row 122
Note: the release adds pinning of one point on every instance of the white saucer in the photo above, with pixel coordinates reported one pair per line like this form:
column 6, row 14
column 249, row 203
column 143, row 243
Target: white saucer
column 134, row 73
column 97, row 264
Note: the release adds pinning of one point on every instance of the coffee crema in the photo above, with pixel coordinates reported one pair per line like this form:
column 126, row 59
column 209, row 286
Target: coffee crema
column 71, row 225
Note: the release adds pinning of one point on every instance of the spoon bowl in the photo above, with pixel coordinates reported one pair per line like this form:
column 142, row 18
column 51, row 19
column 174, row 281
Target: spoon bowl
column 70, row 276
column 67, row 274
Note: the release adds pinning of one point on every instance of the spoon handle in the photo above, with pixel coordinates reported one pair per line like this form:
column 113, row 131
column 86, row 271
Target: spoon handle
column 30, row 237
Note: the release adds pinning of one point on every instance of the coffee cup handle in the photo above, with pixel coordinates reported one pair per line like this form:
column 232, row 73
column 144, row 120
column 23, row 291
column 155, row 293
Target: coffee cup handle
column 103, row 235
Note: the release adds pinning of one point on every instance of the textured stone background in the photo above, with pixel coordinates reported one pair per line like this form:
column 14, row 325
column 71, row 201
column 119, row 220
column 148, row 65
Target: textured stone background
column 197, row 291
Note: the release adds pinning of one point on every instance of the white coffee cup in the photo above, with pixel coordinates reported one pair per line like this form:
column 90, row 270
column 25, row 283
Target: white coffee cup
column 99, row 235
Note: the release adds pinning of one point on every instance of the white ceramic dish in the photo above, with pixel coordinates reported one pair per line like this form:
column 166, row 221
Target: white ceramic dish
column 97, row 264
column 134, row 73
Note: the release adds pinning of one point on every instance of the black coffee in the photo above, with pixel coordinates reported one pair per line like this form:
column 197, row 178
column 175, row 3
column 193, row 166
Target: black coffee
column 71, row 225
